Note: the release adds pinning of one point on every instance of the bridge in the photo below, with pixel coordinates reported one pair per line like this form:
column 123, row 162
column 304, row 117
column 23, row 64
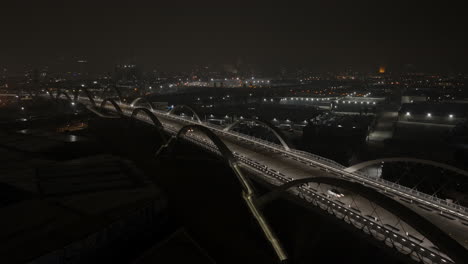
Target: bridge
column 420, row 226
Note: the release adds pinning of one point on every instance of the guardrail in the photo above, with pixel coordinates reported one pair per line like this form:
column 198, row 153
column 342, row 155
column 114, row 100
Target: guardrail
column 330, row 166
column 402, row 243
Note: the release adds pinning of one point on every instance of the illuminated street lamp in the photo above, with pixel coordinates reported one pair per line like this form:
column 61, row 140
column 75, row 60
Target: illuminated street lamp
column 429, row 114
column 408, row 114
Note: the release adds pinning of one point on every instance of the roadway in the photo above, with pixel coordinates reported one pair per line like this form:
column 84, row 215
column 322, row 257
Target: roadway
column 289, row 166
column 278, row 166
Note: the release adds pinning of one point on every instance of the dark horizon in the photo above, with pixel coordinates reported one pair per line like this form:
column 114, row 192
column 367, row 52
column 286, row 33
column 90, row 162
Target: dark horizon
column 177, row 36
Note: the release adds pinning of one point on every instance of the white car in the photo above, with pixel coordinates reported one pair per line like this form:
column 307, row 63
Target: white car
column 335, row 193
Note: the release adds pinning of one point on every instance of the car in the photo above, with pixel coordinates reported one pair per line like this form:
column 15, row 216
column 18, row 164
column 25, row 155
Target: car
column 335, row 193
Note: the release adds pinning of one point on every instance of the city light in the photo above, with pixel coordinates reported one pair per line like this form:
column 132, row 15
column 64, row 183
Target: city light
column 377, row 147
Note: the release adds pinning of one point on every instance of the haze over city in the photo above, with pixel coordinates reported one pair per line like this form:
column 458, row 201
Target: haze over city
column 233, row 132
column 321, row 36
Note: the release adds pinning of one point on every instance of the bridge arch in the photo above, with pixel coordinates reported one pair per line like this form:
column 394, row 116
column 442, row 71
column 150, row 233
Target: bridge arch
column 49, row 92
column 272, row 128
column 223, row 149
column 425, row 227
column 88, row 94
column 61, row 92
column 366, row 164
column 248, row 192
column 116, row 106
column 117, row 90
column 154, row 119
column 141, row 99
column 186, row 107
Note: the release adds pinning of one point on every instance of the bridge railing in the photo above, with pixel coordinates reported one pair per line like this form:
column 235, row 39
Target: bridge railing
column 360, row 176
column 335, row 167
column 310, row 195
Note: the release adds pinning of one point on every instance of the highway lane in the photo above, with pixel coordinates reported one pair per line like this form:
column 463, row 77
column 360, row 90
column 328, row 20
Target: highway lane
column 296, row 170
column 286, row 168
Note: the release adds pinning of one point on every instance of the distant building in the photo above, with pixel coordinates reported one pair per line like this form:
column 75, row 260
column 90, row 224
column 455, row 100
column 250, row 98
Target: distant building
column 407, row 99
column 382, row 69
column 127, row 73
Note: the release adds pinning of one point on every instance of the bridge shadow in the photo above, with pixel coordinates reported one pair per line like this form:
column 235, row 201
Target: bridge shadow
column 205, row 199
column 310, row 235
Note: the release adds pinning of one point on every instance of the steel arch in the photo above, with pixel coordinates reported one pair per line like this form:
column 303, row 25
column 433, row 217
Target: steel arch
column 119, row 94
column 154, row 119
column 139, row 99
column 49, row 92
column 248, row 192
column 273, row 129
column 57, row 96
column 116, row 106
column 187, row 107
column 426, row 228
column 88, row 94
column 366, row 164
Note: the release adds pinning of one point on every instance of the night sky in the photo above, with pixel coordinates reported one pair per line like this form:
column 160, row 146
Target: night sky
column 173, row 35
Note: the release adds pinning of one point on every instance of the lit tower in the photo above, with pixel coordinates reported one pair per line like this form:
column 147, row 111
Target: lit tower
column 382, row 69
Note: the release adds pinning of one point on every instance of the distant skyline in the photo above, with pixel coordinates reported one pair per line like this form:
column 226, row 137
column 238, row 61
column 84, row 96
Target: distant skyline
column 173, row 36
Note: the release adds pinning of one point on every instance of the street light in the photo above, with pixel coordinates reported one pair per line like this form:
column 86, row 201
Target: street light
column 408, row 113
column 450, row 116
column 429, row 114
